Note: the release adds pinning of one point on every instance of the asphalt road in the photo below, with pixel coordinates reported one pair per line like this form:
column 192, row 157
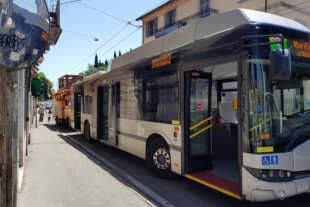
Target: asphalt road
column 179, row 192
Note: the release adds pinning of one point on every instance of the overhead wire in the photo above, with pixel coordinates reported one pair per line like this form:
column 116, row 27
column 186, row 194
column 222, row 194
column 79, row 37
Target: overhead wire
column 99, row 48
column 110, row 48
column 109, row 15
column 296, row 10
column 127, row 23
column 290, row 8
column 93, row 37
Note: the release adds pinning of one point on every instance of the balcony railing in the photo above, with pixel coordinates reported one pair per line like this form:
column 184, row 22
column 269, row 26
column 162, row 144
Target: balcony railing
column 180, row 23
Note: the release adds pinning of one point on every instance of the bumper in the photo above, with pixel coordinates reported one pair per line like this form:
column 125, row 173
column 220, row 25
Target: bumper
column 258, row 190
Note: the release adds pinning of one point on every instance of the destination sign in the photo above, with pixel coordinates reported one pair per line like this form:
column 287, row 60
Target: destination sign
column 303, row 48
column 298, row 48
column 161, row 61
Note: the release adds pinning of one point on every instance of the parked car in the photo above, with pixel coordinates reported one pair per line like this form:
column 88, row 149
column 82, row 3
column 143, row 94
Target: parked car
column 48, row 105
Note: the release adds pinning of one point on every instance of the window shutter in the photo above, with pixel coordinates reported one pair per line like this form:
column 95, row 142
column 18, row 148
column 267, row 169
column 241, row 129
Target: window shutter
column 147, row 29
column 155, row 25
column 173, row 16
column 166, row 18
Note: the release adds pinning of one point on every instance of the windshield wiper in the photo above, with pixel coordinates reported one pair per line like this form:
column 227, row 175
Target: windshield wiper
column 301, row 138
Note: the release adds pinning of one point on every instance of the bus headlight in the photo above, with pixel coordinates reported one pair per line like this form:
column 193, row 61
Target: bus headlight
column 271, row 175
column 288, row 174
column 281, row 174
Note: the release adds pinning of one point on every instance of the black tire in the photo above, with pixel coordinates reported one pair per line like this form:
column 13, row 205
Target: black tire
column 158, row 159
column 87, row 133
column 68, row 122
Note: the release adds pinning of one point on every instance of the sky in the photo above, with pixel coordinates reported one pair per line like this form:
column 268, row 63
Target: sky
column 85, row 20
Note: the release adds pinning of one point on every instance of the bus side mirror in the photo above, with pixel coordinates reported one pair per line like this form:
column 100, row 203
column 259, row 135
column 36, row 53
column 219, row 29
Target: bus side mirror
column 280, row 65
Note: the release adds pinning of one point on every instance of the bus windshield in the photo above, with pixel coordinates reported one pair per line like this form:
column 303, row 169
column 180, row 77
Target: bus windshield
column 278, row 111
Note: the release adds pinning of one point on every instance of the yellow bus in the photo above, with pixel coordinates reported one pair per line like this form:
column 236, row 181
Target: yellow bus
column 61, row 99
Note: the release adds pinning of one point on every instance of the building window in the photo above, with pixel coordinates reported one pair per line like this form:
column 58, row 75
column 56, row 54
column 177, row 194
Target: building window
column 170, row 18
column 204, row 6
column 151, row 26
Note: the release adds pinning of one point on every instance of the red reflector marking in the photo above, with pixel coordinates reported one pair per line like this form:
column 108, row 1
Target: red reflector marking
column 195, row 74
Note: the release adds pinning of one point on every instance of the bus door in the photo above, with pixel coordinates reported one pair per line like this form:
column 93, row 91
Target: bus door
column 77, row 110
column 197, row 121
column 114, row 113
column 103, row 112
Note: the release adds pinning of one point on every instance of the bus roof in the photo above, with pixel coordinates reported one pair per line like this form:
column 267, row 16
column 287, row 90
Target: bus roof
column 200, row 29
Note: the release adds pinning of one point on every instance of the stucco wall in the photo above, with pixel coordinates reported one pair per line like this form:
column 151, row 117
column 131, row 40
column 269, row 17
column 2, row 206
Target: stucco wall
column 186, row 8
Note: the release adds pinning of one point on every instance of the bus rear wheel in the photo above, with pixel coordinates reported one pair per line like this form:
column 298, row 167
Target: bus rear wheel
column 57, row 120
column 87, row 133
column 158, row 159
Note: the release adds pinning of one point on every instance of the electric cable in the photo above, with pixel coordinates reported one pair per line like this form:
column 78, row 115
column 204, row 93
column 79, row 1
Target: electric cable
column 98, row 38
column 127, row 23
column 109, row 49
column 296, row 10
column 109, row 15
column 290, row 8
column 99, row 48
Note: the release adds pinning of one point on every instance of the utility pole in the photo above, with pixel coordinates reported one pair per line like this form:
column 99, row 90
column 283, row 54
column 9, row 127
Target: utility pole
column 6, row 137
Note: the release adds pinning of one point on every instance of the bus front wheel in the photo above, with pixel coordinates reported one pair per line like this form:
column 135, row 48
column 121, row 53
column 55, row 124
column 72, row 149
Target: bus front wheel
column 87, row 133
column 158, row 159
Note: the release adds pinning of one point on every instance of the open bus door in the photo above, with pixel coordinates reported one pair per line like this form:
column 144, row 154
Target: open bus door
column 103, row 112
column 206, row 140
column 77, row 110
column 198, row 121
column 114, row 113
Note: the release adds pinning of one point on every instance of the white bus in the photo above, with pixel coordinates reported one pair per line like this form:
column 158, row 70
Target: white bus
column 222, row 101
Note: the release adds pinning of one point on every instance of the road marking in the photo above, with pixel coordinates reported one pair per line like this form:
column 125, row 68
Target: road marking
column 125, row 176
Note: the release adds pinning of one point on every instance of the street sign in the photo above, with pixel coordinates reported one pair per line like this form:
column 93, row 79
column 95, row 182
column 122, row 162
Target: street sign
column 199, row 106
column 24, row 31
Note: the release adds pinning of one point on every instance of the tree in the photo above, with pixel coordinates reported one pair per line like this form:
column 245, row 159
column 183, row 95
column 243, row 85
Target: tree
column 115, row 54
column 119, row 53
column 100, row 64
column 106, row 63
column 46, row 86
column 96, row 61
column 91, row 69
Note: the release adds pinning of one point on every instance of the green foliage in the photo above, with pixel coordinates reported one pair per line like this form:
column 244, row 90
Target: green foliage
column 115, row 54
column 106, row 63
column 119, row 53
column 46, row 85
column 96, row 62
column 92, row 70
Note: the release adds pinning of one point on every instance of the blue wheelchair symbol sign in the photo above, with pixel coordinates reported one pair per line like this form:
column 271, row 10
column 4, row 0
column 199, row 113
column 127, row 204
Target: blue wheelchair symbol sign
column 266, row 160
column 270, row 160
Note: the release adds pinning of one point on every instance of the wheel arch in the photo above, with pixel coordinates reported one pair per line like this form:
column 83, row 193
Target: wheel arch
column 153, row 137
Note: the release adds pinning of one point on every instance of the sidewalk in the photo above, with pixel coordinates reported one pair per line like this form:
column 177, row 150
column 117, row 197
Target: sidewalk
column 58, row 174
